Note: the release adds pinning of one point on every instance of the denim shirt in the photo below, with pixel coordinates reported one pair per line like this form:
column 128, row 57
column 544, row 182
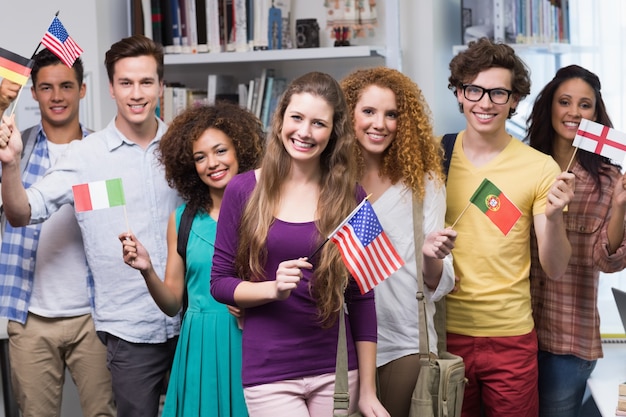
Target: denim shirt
column 123, row 305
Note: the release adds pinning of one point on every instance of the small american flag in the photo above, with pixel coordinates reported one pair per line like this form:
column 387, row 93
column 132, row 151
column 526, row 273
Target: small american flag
column 365, row 249
column 59, row 42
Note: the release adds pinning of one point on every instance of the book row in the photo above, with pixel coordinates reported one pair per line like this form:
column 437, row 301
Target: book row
column 200, row 26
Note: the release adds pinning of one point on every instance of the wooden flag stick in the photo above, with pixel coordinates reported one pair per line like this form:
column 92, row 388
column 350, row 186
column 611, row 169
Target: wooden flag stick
column 463, row 212
column 572, row 159
column 126, row 218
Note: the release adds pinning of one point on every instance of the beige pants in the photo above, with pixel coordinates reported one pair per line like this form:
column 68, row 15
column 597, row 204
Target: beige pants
column 396, row 381
column 41, row 350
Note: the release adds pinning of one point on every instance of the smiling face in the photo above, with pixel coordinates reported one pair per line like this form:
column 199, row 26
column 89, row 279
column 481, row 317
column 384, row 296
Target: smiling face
column 215, row 157
column 483, row 116
column 58, row 93
column 136, row 89
column 573, row 100
column 375, row 119
column 307, row 126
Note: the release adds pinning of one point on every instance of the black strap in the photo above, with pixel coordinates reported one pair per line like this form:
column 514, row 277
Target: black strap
column 447, row 143
column 184, row 228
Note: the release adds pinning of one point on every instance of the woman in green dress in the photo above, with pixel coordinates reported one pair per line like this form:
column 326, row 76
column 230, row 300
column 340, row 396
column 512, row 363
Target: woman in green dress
column 201, row 151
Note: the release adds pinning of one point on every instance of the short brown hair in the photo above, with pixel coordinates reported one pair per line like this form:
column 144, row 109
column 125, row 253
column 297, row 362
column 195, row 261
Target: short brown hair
column 133, row 46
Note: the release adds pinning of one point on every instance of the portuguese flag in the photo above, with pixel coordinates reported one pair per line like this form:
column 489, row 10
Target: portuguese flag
column 98, row 195
column 500, row 210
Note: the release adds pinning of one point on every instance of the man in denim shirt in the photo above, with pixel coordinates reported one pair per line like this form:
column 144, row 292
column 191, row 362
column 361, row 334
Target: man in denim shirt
column 140, row 339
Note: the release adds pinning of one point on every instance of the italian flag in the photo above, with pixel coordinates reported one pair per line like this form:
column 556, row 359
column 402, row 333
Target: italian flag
column 500, row 210
column 98, row 195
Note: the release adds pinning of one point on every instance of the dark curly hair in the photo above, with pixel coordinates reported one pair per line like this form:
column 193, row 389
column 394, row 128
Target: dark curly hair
column 483, row 54
column 414, row 152
column 175, row 149
column 541, row 133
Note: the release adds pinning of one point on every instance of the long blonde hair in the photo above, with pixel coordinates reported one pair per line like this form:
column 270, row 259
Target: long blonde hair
column 336, row 201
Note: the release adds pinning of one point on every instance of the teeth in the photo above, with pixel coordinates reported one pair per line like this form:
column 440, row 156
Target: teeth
column 137, row 106
column 484, row 116
column 376, row 137
column 571, row 124
column 302, row 144
column 216, row 174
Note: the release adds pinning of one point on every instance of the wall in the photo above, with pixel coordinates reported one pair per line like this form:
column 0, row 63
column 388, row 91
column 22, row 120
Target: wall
column 94, row 25
column 429, row 29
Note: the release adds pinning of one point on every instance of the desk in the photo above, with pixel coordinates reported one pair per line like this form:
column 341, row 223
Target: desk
column 609, row 373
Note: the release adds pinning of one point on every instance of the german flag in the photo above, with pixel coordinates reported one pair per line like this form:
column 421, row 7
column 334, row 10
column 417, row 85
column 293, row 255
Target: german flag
column 14, row 67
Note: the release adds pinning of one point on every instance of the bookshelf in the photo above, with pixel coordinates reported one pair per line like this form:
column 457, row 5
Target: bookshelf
column 516, row 21
column 190, row 70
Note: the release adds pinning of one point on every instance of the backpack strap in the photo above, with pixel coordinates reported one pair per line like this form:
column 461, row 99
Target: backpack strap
column 184, row 228
column 447, row 143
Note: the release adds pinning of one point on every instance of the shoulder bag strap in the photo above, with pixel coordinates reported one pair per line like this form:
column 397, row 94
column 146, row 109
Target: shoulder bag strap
column 341, row 397
column 418, row 236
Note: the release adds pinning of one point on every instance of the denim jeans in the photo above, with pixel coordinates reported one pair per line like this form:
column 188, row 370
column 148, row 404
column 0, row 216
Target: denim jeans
column 562, row 383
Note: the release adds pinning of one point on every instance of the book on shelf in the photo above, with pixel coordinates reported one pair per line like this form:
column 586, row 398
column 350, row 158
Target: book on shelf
column 516, row 21
column 146, row 12
column 213, row 25
column 265, row 72
column 267, row 96
column 156, row 21
column 251, row 87
column 242, row 90
column 279, row 85
column 222, row 87
column 167, row 31
column 201, row 26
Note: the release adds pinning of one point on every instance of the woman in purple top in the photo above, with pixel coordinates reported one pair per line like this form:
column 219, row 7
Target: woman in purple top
column 271, row 220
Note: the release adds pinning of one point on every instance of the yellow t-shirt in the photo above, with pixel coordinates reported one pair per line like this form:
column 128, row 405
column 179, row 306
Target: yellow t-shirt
column 494, row 289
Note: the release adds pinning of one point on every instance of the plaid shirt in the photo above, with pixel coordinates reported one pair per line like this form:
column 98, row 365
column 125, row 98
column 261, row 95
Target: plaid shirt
column 565, row 309
column 19, row 244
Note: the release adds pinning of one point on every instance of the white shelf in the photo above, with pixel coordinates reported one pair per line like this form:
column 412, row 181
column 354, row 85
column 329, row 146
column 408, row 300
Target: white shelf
column 538, row 48
column 274, row 55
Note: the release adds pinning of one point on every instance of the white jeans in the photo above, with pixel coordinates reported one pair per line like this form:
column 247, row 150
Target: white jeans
column 303, row 397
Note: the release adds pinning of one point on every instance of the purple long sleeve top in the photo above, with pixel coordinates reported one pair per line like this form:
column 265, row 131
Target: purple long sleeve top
column 283, row 339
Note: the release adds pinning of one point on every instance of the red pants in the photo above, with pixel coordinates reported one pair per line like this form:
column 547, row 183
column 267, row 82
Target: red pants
column 501, row 372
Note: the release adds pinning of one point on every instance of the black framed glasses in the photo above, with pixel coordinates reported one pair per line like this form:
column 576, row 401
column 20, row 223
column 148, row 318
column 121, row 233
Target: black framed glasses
column 497, row 95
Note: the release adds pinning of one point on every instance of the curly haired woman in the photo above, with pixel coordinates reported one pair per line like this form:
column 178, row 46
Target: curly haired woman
column 398, row 158
column 202, row 150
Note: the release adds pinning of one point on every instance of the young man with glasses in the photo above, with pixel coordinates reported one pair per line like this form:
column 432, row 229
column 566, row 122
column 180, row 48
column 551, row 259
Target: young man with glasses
column 489, row 320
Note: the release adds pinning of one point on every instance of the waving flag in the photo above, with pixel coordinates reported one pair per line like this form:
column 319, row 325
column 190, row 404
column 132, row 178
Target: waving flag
column 59, row 42
column 15, row 67
column 600, row 139
column 365, row 249
column 500, row 210
column 98, row 195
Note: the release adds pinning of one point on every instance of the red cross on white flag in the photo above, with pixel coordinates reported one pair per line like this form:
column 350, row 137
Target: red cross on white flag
column 600, row 139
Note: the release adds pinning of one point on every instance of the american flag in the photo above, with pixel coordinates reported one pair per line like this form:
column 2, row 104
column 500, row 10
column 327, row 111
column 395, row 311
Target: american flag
column 365, row 249
column 60, row 43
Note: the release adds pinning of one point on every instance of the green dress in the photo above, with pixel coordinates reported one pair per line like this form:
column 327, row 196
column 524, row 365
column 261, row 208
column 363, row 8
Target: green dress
column 206, row 372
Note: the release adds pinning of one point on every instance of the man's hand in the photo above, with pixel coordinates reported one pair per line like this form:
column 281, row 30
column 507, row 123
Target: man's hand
column 8, row 93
